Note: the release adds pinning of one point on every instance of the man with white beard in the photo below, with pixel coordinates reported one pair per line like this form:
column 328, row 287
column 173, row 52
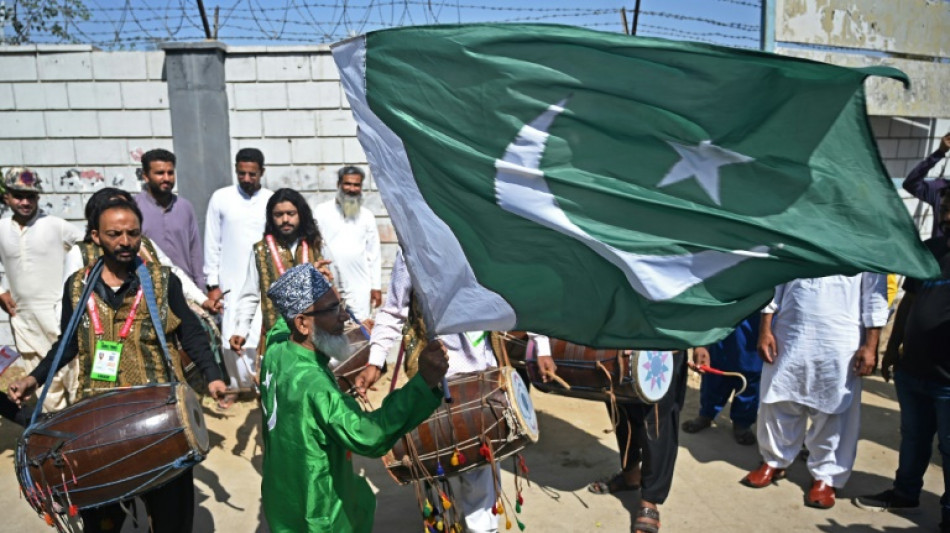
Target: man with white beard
column 311, row 427
column 352, row 239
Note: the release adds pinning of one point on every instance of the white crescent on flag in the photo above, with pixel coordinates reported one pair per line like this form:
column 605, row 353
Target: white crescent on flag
column 521, row 189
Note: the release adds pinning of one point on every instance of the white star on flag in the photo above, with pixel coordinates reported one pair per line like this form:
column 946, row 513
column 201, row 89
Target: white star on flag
column 702, row 162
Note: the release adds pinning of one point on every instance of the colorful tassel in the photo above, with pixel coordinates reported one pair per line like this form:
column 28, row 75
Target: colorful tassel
column 446, row 503
column 439, row 471
column 427, row 509
column 520, row 525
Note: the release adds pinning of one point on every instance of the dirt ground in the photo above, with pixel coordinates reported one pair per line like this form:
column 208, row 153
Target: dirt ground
column 574, row 449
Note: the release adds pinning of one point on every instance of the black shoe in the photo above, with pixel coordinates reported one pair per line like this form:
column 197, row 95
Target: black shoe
column 887, row 501
column 697, row 424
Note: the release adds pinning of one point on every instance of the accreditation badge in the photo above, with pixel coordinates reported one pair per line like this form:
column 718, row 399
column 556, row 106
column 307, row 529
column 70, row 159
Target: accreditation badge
column 105, row 363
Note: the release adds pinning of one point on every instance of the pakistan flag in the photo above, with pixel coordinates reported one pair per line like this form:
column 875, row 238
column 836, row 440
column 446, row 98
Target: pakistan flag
column 617, row 191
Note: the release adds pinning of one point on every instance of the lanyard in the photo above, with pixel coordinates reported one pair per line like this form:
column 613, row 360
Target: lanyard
column 272, row 246
column 126, row 328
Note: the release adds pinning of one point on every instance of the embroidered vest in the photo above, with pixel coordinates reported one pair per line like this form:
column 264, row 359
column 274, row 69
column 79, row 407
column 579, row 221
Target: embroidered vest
column 142, row 360
column 415, row 339
column 268, row 273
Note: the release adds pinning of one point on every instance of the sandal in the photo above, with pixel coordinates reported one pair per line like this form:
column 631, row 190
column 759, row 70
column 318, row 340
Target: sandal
column 612, row 485
column 697, row 424
column 647, row 527
column 743, row 435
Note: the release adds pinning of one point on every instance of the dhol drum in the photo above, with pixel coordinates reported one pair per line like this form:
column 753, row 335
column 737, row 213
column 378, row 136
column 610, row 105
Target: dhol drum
column 348, row 369
column 638, row 376
column 111, row 447
column 491, row 407
column 193, row 375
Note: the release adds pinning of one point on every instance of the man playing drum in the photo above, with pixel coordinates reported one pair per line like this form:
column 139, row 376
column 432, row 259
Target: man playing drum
column 468, row 352
column 311, row 427
column 119, row 328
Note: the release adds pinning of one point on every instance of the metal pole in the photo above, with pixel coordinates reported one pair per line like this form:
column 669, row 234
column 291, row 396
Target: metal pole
column 204, row 19
column 767, row 37
column 636, row 18
column 623, row 17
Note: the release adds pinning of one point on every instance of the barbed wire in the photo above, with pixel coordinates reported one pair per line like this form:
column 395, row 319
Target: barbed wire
column 128, row 24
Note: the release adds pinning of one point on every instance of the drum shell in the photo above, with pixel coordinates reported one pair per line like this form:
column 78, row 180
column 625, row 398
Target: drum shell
column 117, row 444
column 193, row 375
column 346, row 371
column 480, row 409
column 578, row 366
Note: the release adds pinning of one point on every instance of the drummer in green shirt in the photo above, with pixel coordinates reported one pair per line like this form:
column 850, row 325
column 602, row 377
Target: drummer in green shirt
column 310, row 426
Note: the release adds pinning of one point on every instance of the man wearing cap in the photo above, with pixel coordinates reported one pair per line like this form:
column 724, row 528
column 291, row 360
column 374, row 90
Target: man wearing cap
column 311, row 427
column 33, row 248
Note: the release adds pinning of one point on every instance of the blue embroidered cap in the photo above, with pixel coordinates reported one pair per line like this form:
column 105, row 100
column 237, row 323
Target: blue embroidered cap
column 296, row 290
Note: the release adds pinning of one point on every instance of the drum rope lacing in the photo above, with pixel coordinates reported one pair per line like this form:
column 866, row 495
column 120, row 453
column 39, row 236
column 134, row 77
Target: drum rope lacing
column 44, row 501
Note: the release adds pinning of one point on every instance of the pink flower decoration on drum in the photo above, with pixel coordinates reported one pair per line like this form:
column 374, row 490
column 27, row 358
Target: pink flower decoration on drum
column 656, row 368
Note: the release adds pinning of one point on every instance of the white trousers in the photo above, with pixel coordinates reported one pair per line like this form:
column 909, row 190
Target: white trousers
column 34, row 332
column 475, row 492
column 831, row 440
column 240, row 366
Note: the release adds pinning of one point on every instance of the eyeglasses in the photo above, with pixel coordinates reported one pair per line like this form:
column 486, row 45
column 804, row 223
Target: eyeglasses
column 333, row 309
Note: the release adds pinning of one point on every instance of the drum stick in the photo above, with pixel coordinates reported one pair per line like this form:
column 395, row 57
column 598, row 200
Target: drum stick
column 356, row 321
column 558, row 379
column 706, row 369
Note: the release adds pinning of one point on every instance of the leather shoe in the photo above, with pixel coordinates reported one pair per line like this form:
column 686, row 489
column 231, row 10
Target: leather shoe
column 763, row 476
column 821, row 495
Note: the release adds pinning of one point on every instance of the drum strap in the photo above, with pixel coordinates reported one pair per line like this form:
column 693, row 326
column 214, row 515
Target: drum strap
column 67, row 336
column 145, row 280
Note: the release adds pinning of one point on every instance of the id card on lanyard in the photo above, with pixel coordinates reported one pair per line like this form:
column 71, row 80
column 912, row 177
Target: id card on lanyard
column 105, row 362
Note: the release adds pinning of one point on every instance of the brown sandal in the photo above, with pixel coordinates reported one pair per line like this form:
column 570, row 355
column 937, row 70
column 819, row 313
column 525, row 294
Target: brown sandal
column 647, row 527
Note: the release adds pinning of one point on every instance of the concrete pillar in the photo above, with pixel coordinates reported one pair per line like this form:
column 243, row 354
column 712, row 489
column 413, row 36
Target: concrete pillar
column 199, row 111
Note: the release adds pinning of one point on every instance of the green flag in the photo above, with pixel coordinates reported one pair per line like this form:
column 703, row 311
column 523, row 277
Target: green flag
column 617, row 191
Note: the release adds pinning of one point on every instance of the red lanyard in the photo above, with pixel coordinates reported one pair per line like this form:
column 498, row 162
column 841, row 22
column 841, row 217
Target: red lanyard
column 126, row 328
column 276, row 256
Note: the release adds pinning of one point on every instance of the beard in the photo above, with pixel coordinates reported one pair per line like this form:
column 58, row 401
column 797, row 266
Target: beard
column 288, row 238
column 335, row 346
column 349, row 203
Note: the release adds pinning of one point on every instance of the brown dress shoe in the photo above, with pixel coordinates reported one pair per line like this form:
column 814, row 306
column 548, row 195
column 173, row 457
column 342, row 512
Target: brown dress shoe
column 821, row 495
column 763, row 476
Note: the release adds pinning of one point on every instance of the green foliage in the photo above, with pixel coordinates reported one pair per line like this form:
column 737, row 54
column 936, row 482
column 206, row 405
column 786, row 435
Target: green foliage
column 53, row 17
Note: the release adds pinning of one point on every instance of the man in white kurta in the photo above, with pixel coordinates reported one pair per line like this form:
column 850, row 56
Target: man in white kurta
column 234, row 222
column 468, row 352
column 818, row 337
column 352, row 238
column 33, row 248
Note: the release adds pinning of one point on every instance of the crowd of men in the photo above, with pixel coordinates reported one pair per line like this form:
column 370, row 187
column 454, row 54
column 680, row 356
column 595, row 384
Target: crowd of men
column 284, row 278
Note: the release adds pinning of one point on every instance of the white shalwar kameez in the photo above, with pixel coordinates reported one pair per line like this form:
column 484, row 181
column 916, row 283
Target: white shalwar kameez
column 818, row 326
column 354, row 245
column 34, row 257
column 234, row 222
column 468, row 352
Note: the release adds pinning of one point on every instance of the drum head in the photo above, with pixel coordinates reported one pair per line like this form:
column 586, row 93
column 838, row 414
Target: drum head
column 194, row 420
column 521, row 403
column 653, row 371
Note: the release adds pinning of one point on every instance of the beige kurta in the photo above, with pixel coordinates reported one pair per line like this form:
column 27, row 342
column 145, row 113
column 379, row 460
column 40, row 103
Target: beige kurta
column 33, row 257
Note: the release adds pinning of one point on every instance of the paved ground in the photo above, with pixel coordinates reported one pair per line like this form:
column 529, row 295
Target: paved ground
column 573, row 450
